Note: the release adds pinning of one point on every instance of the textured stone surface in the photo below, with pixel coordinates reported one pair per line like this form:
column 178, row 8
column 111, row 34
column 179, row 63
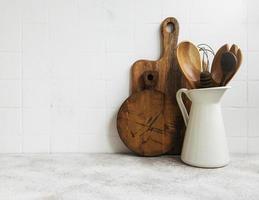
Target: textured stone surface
column 118, row 176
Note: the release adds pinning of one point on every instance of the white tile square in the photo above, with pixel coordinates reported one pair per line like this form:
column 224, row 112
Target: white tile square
column 115, row 87
column 10, row 66
column 252, row 37
column 184, row 32
column 36, row 66
column 34, row 11
column 63, row 11
column 92, row 121
column 36, row 93
column 36, row 144
column 111, row 122
column 252, row 145
column 93, row 11
column 237, row 144
column 147, row 41
column 92, row 66
column 36, row 121
column 118, row 66
column 253, row 122
column 92, row 93
column 35, row 38
column 120, row 39
column 236, row 96
column 92, row 144
column 252, row 11
column 117, row 146
column 10, row 121
column 10, row 95
column 253, row 93
column 64, row 143
column 64, row 37
column 64, row 92
column 10, row 144
column 253, row 73
column 148, row 11
column 120, row 12
column 63, row 121
column 65, row 66
column 233, row 11
column 92, row 38
column 10, row 37
column 235, row 121
column 10, row 11
column 178, row 9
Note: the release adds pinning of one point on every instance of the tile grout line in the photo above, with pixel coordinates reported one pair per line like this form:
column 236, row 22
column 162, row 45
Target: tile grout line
column 77, row 80
column 21, row 89
column 50, row 78
column 247, row 88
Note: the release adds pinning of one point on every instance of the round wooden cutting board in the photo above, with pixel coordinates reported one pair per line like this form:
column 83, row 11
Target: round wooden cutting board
column 145, row 121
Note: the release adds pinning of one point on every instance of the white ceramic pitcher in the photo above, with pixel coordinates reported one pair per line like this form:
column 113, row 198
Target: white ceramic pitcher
column 205, row 142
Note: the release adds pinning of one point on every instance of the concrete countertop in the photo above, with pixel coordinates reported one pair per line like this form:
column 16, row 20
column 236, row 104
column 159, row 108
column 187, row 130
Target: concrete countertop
column 121, row 176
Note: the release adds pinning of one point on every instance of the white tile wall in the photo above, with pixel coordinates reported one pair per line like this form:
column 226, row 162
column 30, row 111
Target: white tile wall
column 65, row 66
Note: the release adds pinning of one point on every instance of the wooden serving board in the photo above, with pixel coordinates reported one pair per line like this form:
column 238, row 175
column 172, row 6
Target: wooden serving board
column 144, row 120
column 170, row 76
column 145, row 104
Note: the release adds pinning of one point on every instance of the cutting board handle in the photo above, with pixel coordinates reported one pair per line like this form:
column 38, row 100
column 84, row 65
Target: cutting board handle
column 170, row 32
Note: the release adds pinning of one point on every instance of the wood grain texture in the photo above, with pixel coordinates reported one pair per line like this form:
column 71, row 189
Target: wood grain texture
column 145, row 123
column 145, row 119
column 189, row 62
column 146, row 104
column 166, row 66
column 216, row 70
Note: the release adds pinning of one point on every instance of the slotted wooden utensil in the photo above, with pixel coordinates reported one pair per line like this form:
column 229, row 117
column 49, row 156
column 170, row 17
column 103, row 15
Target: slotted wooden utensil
column 216, row 71
column 239, row 57
column 228, row 64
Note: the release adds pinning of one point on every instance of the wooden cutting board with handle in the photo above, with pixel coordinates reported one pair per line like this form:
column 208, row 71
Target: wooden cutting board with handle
column 161, row 98
column 144, row 120
column 167, row 67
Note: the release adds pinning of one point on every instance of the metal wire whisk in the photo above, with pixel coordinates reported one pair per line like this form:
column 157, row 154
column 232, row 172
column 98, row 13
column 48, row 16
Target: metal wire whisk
column 205, row 51
column 205, row 76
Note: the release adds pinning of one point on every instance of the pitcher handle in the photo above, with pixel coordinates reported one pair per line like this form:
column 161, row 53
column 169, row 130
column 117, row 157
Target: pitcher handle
column 181, row 104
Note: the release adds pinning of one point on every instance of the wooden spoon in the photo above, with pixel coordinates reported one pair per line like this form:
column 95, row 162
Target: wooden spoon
column 228, row 64
column 216, row 71
column 190, row 63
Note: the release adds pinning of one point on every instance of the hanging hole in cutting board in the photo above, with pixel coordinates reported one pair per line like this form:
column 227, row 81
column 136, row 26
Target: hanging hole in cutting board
column 170, row 27
column 150, row 77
